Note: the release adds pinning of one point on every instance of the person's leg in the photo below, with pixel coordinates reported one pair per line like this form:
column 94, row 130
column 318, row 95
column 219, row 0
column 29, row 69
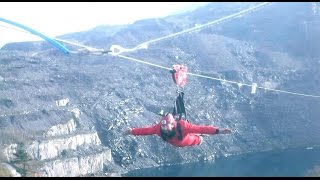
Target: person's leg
column 200, row 140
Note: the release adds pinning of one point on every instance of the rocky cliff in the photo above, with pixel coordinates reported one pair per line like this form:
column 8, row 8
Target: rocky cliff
column 63, row 151
column 69, row 111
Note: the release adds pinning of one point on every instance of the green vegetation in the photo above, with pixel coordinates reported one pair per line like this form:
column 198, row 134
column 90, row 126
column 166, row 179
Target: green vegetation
column 21, row 160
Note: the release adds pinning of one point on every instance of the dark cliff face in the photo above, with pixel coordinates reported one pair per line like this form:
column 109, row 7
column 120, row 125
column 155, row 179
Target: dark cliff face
column 263, row 47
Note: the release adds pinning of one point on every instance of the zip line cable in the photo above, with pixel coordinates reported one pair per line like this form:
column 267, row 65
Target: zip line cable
column 218, row 79
column 144, row 45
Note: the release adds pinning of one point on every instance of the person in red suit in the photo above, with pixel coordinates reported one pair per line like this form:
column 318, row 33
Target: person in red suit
column 178, row 133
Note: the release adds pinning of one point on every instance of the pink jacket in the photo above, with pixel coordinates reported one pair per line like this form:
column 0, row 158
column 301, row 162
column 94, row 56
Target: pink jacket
column 190, row 133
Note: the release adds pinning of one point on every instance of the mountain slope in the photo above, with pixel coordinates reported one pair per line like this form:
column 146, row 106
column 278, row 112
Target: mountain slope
column 114, row 93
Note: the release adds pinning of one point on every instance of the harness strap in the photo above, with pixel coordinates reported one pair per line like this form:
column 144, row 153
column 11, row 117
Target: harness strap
column 179, row 107
column 179, row 131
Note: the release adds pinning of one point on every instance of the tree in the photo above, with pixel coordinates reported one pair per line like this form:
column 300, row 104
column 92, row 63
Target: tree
column 21, row 159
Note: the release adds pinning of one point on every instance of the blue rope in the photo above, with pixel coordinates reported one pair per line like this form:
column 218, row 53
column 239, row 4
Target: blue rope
column 55, row 43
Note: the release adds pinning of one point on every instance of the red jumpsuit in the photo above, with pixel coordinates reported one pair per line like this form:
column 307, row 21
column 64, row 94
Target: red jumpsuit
column 190, row 133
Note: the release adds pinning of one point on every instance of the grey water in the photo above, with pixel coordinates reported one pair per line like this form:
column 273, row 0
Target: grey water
column 295, row 162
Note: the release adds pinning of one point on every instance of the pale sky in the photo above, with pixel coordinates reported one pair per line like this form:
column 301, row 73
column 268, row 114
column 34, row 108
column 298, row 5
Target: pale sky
column 57, row 18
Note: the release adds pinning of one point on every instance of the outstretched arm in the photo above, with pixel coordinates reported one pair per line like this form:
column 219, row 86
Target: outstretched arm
column 142, row 131
column 201, row 129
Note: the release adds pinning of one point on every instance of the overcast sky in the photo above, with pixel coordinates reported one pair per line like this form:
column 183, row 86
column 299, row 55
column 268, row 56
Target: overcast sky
column 57, row 18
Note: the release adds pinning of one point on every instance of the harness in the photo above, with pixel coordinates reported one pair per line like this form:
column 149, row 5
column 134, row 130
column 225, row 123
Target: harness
column 179, row 76
column 179, row 108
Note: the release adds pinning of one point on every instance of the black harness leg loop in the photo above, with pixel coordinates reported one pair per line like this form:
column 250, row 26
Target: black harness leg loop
column 179, row 107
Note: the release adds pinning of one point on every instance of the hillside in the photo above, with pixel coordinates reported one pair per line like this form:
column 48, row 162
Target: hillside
column 274, row 47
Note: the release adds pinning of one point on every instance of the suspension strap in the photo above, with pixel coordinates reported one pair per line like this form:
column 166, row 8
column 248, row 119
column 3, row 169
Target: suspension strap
column 179, row 76
column 179, row 108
